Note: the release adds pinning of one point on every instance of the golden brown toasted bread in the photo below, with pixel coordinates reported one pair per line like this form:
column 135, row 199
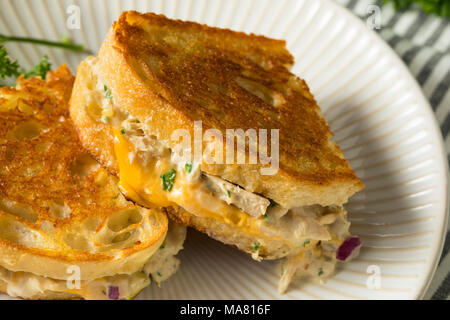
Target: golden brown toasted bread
column 168, row 74
column 163, row 75
column 60, row 209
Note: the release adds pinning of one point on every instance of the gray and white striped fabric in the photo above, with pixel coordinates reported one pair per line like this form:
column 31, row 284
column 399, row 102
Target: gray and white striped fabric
column 423, row 42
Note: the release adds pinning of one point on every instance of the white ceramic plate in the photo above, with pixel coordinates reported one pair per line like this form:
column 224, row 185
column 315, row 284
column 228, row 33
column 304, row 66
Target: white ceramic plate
column 377, row 111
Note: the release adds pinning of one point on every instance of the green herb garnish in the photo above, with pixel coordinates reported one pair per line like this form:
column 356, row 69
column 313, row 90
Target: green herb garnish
column 228, row 193
column 108, row 94
column 159, row 274
column 39, row 70
column 8, row 68
column 256, row 246
column 162, row 247
column 11, row 68
column 307, row 241
column 188, row 167
column 168, row 180
column 320, row 272
column 104, row 292
column 123, row 131
column 266, row 218
column 437, row 7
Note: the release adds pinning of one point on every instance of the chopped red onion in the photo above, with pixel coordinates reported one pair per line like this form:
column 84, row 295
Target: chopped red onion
column 347, row 248
column 113, row 292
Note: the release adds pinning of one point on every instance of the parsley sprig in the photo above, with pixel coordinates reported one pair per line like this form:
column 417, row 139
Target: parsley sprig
column 437, row 7
column 39, row 70
column 10, row 68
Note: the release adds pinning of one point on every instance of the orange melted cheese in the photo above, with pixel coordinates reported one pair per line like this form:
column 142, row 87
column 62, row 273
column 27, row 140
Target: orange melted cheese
column 144, row 186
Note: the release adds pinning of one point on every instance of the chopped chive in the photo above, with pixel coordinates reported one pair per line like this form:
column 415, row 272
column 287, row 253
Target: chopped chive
column 108, row 94
column 256, row 246
column 307, row 241
column 168, row 180
column 188, row 167
column 123, row 131
column 162, row 247
column 228, row 193
column 159, row 274
column 320, row 272
column 266, row 218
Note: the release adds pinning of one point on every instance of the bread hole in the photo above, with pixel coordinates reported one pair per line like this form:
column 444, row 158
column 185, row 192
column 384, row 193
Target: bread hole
column 123, row 240
column 47, row 227
column 59, row 209
column 24, row 108
column 26, row 131
column 91, row 223
column 269, row 96
column 121, row 237
column 153, row 220
column 12, row 231
column 83, row 165
column 77, row 242
column 123, row 219
column 18, row 210
column 141, row 133
column 15, row 231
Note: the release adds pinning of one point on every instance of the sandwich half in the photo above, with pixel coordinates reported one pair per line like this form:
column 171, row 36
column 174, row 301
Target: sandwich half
column 154, row 76
column 66, row 231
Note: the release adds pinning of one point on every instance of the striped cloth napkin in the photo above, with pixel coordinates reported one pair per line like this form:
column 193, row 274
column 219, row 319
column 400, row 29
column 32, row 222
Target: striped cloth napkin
column 423, row 42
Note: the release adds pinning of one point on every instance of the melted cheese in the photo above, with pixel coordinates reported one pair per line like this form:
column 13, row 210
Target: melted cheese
column 143, row 185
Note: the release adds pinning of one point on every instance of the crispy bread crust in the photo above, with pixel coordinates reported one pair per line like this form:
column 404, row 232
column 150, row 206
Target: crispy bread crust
column 169, row 74
column 269, row 249
column 53, row 213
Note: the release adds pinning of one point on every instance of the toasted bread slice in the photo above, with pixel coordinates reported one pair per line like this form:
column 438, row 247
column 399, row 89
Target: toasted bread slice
column 168, row 74
column 154, row 76
column 92, row 95
column 272, row 236
column 60, row 211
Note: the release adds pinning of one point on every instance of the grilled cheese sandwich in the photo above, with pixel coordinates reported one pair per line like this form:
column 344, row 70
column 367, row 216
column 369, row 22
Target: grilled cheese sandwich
column 154, row 75
column 66, row 231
